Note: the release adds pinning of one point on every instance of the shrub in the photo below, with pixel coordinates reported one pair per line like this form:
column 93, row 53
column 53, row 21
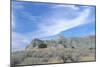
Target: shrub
column 17, row 57
column 37, row 42
column 42, row 46
column 31, row 60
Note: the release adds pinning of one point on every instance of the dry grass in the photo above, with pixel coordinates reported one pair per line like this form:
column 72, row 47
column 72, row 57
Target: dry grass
column 88, row 58
column 57, row 55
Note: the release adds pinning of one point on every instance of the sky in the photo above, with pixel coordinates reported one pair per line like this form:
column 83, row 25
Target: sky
column 45, row 20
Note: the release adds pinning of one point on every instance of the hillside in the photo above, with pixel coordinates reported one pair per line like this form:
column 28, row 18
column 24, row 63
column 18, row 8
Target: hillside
column 63, row 42
column 58, row 50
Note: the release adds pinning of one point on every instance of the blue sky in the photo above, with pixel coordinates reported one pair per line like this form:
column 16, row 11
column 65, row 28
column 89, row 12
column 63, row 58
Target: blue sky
column 42, row 20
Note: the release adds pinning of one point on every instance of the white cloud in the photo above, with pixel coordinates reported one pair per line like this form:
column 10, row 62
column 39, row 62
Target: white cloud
column 74, row 7
column 18, row 5
column 19, row 41
column 13, row 21
column 15, row 6
column 56, row 26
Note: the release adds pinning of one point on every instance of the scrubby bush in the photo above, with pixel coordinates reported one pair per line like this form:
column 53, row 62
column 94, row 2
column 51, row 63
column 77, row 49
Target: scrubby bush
column 62, row 40
column 42, row 46
column 31, row 60
column 14, row 62
column 37, row 42
column 73, row 50
column 17, row 57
